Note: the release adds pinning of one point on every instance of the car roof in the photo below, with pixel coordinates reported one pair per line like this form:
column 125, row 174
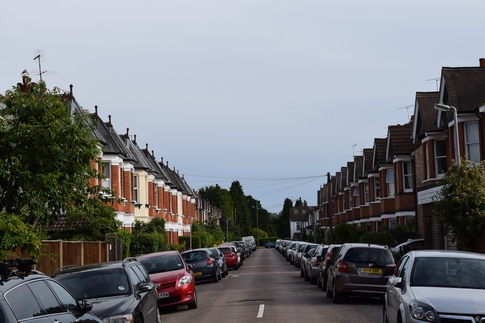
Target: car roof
column 364, row 245
column 447, row 253
column 159, row 253
column 94, row 267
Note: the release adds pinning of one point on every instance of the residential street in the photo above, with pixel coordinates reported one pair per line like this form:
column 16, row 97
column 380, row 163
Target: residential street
column 268, row 289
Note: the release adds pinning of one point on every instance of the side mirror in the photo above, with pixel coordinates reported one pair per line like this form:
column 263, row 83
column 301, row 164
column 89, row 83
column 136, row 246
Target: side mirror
column 190, row 267
column 397, row 282
column 86, row 305
column 144, row 287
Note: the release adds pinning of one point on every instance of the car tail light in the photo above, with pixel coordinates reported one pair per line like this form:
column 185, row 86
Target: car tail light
column 394, row 269
column 210, row 261
column 317, row 262
column 342, row 267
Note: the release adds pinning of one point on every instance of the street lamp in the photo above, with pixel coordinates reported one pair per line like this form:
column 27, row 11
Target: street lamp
column 446, row 108
column 227, row 228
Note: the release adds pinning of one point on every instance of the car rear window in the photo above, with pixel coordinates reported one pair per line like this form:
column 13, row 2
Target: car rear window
column 92, row 284
column 381, row 257
column 225, row 250
column 194, row 256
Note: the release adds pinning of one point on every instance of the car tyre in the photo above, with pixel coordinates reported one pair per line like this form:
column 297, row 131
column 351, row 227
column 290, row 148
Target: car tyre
column 306, row 276
column 313, row 280
column 319, row 282
column 302, row 274
column 329, row 293
column 193, row 305
column 226, row 272
column 324, row 285
column 215, row 278
column 336, row 296
column 219, row 277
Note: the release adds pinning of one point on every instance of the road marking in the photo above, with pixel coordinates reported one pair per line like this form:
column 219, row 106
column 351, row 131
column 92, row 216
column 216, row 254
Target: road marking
column 260, row 311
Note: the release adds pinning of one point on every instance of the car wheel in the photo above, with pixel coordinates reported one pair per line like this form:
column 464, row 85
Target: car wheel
column 313, row 280
column 324, row 285
column 235, row 267
column 337, row 296
column 329, row 293
column 193, row 305
column 139, row 319
column 319, row 282
column 302, row 274
column 219, row 277
column 306, row 276
column 215, row 278
column 227, row 271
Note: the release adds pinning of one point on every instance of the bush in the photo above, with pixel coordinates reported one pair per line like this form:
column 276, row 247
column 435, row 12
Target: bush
column 143, row 243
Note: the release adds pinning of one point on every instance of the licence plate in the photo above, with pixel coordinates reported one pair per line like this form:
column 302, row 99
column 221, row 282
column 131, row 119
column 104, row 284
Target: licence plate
column 371, row 270
column 197, row 273
column 162, row 295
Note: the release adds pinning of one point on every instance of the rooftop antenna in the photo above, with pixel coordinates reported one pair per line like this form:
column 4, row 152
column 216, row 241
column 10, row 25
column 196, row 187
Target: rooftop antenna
column 40, row 57
column 353, row 150
column 407, row 108
column 436, row 79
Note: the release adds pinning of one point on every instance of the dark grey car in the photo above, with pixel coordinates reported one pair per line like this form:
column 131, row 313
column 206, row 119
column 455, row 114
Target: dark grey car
column 204, row 266
column 360, row 269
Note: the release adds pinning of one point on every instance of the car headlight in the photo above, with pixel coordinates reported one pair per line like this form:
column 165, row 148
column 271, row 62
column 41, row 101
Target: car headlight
column 185, row 280
column 422, row 311
column 118, row 318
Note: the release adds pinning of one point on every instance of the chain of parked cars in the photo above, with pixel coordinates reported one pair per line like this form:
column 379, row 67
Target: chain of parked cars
column 438, row 286
column 135, row 290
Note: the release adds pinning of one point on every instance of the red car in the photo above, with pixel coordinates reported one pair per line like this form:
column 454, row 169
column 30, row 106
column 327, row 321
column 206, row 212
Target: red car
column 232, row 258
column 173, row 277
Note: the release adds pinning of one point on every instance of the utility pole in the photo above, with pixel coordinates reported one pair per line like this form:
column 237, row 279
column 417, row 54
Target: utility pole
column 257, row 224
column 329, row 193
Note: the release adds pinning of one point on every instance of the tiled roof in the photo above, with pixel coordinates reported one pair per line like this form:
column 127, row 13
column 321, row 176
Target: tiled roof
column 343, row 171
column 427, row 114
column 350, row 172
column 357, row 167
column 367, row 152
column 400, row 140
column 464, row 87
column 380, row 147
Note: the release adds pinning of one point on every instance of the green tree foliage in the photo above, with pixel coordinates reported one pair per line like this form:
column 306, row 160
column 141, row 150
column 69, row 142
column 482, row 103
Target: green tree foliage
column 344, row 232
column 148, row 237
column 243, row 217
column 46, row 150
column 283, row 227
column 460, row 203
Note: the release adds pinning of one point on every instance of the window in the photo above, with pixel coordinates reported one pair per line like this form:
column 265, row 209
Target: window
column 350, row 199
column 407, row 174
column 135, row 188
column 66, row 299
column 472, row 145
column 343, row 201
column 18, row 297
column 377, row 189
column 390, row 182
column 440, row 156
column 46, row 298
column 366, row 193
column 356, row 196
column 426, row 175
column 106, row 168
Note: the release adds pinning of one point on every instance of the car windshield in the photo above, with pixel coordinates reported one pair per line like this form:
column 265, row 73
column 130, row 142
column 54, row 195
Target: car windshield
column 162, row 263
column 194, row 256
column 96, row 284
column 379, row 256
column 448, row 272
column 225, row 250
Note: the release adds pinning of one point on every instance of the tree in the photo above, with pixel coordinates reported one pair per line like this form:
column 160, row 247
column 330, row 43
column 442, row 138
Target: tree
column 460, row 203
column 283, row 221
column 47, row 149
column 242, row 208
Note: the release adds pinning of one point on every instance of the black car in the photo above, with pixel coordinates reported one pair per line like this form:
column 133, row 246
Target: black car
column 29, row 295
column 219, row 256
column 204, row 265
column 120, row 291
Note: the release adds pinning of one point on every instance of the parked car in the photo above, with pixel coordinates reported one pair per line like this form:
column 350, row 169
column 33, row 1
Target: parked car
column 219, row 257
column 289, row 251
column 297, row 253
column 232, row 258
column 306, row 250
column 119, row 291
column 411, row 244
column 237, row 250
column 314, row 262
column 330, row 255
column 360, row 269
column 173, row 278
column 30, row 296
column 270, row 245
column 204, row 265
column 436, row 286
column 305, row 264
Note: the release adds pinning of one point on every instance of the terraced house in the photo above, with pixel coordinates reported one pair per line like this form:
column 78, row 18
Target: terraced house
column 394, row 182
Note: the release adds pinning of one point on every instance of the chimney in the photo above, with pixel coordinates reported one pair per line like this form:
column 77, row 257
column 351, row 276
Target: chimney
column 482, row 62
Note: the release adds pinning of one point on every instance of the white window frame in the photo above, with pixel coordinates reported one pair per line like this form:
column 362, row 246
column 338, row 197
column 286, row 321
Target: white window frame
column 366, row 193
column 106, row 170
column 472, row 142
column 377, row 189
column 351, row 203
column 407, row 176
column 135, row 188
column 438, row 159
column 356, row 196
column 391, row 188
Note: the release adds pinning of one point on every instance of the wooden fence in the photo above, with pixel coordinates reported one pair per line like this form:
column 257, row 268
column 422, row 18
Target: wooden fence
column 58, row 253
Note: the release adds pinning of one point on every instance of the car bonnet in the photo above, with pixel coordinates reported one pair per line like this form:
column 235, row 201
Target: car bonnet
column 110, row 306
column 452, row 300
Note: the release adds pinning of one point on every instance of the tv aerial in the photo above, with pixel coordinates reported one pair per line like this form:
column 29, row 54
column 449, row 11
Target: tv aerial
column 407, row 108
column 436, row 79
column 39, row 56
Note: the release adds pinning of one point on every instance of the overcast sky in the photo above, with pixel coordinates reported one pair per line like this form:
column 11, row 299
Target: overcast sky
column 272, row 93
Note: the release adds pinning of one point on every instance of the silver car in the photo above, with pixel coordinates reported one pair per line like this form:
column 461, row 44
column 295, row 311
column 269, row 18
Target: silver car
column 436, row 286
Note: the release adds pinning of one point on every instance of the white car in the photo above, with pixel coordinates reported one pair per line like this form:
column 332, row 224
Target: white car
column 436, row 286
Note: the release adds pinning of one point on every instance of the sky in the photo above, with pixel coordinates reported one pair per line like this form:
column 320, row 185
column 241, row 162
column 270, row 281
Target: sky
column 275, row 94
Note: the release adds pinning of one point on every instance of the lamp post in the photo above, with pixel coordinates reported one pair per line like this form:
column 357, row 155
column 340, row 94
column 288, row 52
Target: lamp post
column 446, row 108
column 227, row 228
column 257, row 226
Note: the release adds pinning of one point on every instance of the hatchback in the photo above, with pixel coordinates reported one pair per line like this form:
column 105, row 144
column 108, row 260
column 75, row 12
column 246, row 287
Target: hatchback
column 328, row 260
column 232, row 258
column 360, row 269
column 120, row 291
column 204, row 265
column 219, row 257
column 172, row 277
column 437, row 286
column 27, row 295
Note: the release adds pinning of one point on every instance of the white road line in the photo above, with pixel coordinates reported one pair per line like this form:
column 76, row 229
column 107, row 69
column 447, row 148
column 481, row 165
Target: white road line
column 260, row 311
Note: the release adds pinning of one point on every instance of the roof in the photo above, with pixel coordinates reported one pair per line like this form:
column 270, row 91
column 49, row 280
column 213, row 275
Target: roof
column 464, row 87
column 399, row 140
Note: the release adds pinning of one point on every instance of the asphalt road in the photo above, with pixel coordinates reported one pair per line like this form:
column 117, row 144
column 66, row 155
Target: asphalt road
column 268, row 289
